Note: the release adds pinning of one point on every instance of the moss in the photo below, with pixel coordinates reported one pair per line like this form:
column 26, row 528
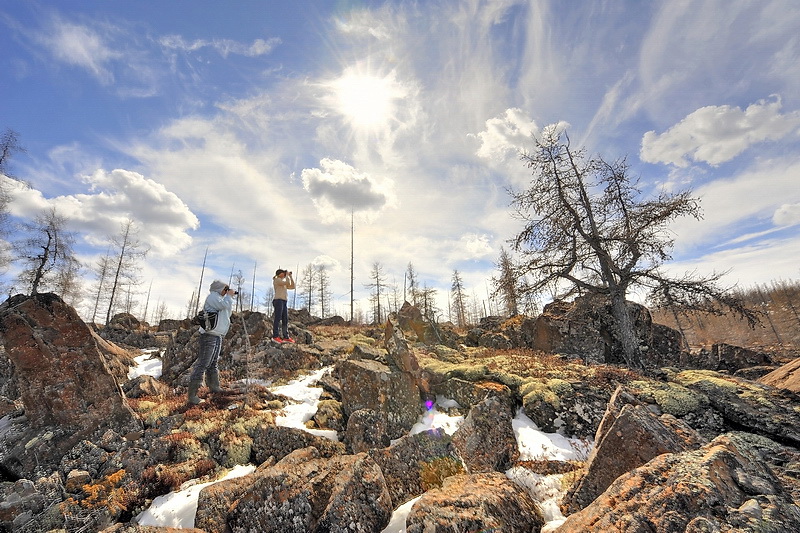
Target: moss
column 539, row 392
column 704, row 378
column 233, row 449
column 512, row 381
column 433, row 473
column 359, row 338
column 671, row 398
column 441, row 371
column 151, row 412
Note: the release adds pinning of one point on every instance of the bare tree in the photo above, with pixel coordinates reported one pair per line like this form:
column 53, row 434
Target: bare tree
column 378, row 286
column 412, row 285
column 324, row 291
column 458, row 299
column 67, row 282
column 9, row 145
column 427, row 303
column 308, row 285
column 46, row 252
column 128, row 251
column 589, row 230
column 506, row 283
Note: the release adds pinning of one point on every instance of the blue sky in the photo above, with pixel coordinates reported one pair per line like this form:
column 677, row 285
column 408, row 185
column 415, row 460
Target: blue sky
column 253, row 128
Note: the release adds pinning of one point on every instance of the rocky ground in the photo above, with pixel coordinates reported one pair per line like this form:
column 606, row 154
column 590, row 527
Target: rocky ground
column 704, row 441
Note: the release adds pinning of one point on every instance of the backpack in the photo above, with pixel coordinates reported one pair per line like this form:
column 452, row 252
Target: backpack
column 205, row 319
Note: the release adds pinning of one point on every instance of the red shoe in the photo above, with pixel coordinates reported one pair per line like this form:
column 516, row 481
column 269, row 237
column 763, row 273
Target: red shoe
column 287, row 339
column 277, row 339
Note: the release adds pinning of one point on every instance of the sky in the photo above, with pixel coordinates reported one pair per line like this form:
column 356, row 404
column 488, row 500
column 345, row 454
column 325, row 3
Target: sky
column 260, row 130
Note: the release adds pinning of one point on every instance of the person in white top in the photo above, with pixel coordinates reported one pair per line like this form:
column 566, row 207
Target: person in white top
column 220, row 301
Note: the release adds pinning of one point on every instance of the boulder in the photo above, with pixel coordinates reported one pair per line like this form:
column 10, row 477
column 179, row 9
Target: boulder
column 372, row 385
column 629, row 436
column 585, row 328
column 67, row 391
column 417, row 463
column 62, row 377
column 723, row 486
column 785, row 377
column 399, row 354
column 305, row 492
column 732, row 358
column 214, row 501
column 276, row 442
column 571, row 408
column 366, row 429
column 468, row 393
column 478, row 502
column 485, row 440
column 410, row 319
column 747, row 405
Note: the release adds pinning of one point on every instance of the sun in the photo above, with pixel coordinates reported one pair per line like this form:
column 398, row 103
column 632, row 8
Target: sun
column 366, row 101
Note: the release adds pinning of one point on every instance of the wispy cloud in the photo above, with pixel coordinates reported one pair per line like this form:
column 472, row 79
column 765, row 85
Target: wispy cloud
column 224, row 47
column 81, row 46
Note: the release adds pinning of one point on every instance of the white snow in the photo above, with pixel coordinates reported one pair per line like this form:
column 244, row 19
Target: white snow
column 178, row 509
column 146, row 365
column 306, row 397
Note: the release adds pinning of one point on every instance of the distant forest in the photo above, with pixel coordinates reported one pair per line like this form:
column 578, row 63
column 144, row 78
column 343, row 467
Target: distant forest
column 779, row 332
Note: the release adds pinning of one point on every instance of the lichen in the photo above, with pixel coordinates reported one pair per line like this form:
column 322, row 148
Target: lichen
column 671, row 398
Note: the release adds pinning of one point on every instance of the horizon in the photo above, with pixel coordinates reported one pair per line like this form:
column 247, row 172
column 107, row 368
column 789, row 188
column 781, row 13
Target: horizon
column 255, row 130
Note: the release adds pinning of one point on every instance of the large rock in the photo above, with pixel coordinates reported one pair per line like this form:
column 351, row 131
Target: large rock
column 485, row 440
column 747, row 405
column 731, row 358
column 371, row 385
column 478, row 502
column 417, row 463
column 585, row 328
column 468, row 393
column 724, row 486
column 629, row 436
column 276, row 442
column 571, row 408
column 366, row 429
column 62, row 378
column 786, row 377
column 305, row 492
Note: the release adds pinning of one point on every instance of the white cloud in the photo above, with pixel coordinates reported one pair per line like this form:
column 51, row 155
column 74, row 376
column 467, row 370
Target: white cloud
column 224, row 47
column 506, row 135
column 337, row 188
column 474, row 246
column 114, row 197
column 716, row 134
column 787, row 215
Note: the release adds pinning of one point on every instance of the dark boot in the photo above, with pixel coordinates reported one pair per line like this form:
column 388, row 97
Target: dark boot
column 212, row 380
column 193, row 398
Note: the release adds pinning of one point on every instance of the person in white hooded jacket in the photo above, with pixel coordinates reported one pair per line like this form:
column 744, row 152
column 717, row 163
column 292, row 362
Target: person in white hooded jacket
column 220, row 301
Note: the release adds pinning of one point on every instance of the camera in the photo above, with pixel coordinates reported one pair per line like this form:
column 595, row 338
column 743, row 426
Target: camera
column 235, row 293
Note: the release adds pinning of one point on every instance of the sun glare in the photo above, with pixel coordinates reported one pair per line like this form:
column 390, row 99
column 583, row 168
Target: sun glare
column 366, row 101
